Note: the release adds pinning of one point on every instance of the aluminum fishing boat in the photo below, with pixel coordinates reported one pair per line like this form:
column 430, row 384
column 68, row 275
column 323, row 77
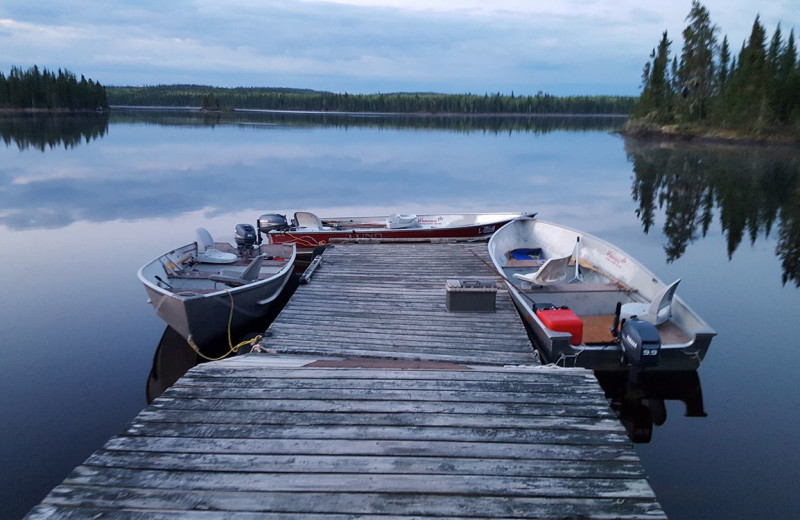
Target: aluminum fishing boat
column 587, row 303
column 205, row 288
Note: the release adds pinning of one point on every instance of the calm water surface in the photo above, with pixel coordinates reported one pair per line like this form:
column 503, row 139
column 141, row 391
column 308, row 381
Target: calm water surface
column 85, row 202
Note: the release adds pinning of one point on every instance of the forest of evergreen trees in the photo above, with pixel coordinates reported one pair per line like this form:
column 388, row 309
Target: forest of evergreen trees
column 709, row 89
column 310, row 100
column 43, row 89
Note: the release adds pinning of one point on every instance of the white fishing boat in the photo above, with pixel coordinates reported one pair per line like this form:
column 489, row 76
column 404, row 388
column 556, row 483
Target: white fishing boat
column 205, row 288
column 589, row 304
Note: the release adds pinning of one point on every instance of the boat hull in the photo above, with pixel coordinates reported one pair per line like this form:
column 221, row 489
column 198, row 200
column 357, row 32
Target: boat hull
column 202, row 315
column 611, row 276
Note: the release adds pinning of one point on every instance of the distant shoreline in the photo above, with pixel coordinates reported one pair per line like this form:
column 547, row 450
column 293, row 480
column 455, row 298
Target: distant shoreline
column 366, row 113
column 307, row 112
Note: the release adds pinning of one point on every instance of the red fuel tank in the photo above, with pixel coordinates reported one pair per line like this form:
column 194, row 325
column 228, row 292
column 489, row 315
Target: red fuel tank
column 563, row 320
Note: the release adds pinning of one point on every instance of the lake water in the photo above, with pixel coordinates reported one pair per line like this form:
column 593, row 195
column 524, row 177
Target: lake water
column 85, row 201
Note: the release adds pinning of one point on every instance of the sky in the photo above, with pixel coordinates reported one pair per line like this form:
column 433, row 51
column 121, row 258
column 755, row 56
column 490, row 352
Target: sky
column 559, row 47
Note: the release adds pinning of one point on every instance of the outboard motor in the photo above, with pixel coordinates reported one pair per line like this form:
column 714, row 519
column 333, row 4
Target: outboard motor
column 640, row 342
column 272, row 222
column 245, row 236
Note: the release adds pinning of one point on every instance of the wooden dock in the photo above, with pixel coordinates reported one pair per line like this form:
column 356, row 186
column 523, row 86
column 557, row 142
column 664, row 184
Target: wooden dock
column 372, row 401
column 388, row 301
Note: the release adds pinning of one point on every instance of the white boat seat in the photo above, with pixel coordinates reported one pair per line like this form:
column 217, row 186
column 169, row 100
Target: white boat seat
column 236, row 278
column 656, row 312
column 397, row 221
column 207, row 253
column 308, row 220
column 552, row 271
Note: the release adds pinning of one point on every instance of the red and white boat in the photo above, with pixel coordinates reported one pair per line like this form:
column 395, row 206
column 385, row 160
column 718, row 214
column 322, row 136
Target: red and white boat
column 307, row 231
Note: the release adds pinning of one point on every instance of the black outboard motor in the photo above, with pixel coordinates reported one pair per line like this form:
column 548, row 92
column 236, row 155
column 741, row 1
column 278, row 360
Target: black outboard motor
column 640, row 342
column 271, row 222
column 245, row 236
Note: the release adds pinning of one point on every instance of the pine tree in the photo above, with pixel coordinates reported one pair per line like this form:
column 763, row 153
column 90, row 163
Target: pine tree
column 747, row 95
column 655, row 103
column 774, row 53
column 724, row 64
column 697, row 69
column 4, row 99
column 787, row 81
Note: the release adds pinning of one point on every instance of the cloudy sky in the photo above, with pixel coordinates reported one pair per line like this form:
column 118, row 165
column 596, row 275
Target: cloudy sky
column 562, row 47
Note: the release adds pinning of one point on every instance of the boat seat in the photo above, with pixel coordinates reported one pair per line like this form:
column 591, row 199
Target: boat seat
column 236, row 278
column 397, row 221
column 308, row 220
column 552, row 271
column 207, row 253
column 656, row 312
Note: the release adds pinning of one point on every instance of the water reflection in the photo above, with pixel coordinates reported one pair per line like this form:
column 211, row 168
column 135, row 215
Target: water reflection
column 165, row 163
column 491, row 124
column 753, row 189
column 48, row 131
column 639, row 399
column 172, row 359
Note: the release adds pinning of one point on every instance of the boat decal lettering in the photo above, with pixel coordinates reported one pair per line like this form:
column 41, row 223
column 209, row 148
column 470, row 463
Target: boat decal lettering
column 430, row 221
column 487, row 229
column 364, row 235
column 618, row 261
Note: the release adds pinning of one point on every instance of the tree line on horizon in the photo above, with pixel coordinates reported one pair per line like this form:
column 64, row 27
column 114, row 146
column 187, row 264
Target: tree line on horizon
column 214, row 98
column 45, row 90
column 708, row 87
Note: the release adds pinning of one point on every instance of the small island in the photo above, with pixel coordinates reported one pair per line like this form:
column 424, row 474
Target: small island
column 707, row 92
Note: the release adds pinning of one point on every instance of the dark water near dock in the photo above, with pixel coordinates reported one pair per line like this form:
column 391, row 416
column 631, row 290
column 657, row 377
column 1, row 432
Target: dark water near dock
column 84, row 202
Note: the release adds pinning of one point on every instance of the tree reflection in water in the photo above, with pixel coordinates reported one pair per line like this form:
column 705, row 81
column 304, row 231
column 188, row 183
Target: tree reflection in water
column 44, row 131
column 752, row 189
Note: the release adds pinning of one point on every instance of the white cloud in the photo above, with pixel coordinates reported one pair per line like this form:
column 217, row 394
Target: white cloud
column 570, row 47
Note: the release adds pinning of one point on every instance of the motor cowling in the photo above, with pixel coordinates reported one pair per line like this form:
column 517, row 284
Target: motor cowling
column 272, row 222
column 640, row 342
column 245, row 236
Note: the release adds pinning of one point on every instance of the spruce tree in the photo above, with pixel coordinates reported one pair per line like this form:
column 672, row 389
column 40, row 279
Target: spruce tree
column 724, row 64
column 655, row 102
column 787, row 82
column 747, row 97
column 697, row 69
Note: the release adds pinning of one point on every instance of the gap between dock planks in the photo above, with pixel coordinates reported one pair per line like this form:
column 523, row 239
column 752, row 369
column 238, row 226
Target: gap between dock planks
column 251, row 437
column 389, row 301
